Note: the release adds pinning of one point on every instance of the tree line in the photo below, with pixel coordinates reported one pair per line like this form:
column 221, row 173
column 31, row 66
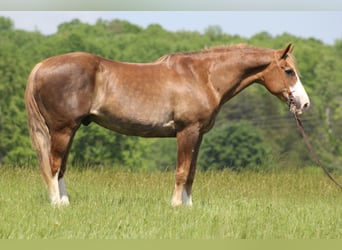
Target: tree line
column 253, row 130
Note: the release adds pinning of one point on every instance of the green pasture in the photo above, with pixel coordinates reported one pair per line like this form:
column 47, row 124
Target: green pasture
column 111, row 204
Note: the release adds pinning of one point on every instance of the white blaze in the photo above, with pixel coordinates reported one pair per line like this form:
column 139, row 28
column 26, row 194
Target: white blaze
column 300, row 96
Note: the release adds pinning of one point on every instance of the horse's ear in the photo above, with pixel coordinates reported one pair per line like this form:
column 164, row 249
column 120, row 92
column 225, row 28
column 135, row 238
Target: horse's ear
column 286, row 51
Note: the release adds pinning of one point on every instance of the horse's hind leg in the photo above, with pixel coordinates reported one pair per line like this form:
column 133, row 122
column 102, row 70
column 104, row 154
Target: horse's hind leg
column 60, row 145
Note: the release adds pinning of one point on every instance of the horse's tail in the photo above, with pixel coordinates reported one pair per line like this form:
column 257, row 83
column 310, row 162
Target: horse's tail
column 38, row 128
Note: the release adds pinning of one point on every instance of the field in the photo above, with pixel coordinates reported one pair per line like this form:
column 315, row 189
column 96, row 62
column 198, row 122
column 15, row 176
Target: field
column 109, row 204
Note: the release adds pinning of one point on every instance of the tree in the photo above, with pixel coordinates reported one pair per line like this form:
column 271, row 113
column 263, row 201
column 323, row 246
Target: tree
column 234, row 146
column 213, row 32
column 6, row 24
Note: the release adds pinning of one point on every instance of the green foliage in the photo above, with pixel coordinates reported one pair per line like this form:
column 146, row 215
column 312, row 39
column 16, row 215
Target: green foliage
column 95, row 146
column 234, row 146
column 319, row 66
column 6, row 24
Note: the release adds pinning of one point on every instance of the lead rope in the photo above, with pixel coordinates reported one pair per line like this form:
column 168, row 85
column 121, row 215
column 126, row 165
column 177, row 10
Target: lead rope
column 312, row 152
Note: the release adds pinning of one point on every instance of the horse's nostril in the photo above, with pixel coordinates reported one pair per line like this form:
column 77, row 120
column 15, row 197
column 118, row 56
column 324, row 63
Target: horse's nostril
column 306, row 105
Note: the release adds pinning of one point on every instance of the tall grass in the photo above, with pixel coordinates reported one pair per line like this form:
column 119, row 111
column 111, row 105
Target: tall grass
column 108, row 204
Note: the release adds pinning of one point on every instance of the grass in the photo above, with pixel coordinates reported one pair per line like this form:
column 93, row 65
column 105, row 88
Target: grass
column 108, row 204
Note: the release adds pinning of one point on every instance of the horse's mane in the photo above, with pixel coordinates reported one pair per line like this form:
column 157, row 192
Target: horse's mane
column 212, row 50
column 225, row 48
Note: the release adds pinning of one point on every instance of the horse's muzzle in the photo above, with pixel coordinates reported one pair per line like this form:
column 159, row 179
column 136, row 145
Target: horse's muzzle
column 298, row 106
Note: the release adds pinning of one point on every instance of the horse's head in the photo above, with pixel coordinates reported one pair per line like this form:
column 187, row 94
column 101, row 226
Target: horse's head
column 281, row 79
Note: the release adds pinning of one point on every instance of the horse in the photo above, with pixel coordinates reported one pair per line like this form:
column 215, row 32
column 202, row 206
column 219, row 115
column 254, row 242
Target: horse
column 178, row 95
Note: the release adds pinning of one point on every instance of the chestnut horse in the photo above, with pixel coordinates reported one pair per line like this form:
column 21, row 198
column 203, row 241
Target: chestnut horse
column 179, row 95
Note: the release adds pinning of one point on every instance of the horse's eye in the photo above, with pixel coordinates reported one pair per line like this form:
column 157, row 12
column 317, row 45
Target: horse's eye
column 289, row 72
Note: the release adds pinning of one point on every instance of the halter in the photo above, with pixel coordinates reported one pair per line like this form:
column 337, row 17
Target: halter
column 290, row 102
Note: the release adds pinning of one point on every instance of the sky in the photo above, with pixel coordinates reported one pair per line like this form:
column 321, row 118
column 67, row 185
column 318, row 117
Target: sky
column 322, row 25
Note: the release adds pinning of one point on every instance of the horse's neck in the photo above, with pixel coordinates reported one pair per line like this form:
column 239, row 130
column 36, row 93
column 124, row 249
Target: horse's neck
column 233, row 72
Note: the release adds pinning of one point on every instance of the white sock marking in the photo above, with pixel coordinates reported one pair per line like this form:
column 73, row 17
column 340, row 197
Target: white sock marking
column 64, row 199
column 186, row 199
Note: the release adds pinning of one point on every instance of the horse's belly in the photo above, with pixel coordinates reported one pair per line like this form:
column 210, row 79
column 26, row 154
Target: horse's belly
column 138, row 126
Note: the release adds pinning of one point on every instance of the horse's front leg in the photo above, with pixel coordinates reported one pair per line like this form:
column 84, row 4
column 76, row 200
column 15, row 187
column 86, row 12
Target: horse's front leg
column 188, row 142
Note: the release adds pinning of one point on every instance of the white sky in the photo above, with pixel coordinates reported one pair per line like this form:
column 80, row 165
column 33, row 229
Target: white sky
column 323, row 25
